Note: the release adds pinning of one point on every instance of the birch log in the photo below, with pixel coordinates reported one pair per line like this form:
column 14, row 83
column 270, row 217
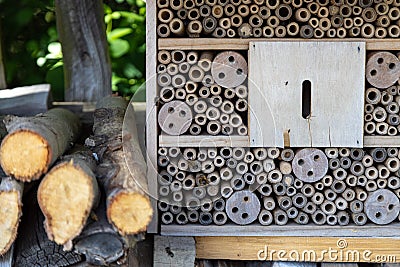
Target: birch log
column 67, row 194
column 122, row 169
column 34, row 143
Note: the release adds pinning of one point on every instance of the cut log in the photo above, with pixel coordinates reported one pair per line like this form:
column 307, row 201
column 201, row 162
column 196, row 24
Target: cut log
column 67, row 194
column 87, row 67
column 99, row 242
column 25, row 101
column 122, row 169
column 34, row 248
column 34, row 143
column 11, row 210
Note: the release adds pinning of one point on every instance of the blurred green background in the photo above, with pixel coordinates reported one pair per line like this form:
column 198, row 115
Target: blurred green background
column 32, row 51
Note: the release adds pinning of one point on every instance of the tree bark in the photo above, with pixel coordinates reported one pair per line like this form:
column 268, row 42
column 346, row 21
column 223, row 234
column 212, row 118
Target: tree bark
column 99, row 242
column 11, row 192
column 87, row 68
column 34, row 143
column 122, row 169
column 33, row 248
column 67, row 194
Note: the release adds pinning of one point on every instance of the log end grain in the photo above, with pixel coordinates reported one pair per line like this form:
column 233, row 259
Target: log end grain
column 24, row 155
column 129, row 212
column 10, row 213
column 66, row 196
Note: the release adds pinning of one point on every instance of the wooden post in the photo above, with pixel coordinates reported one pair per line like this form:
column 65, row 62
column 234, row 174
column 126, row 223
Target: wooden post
column 87, row 68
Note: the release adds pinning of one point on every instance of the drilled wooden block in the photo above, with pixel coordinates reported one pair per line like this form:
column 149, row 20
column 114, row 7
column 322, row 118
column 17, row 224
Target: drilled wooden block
column 309, row 94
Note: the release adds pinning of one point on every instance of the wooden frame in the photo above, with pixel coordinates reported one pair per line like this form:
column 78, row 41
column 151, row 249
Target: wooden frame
column 223, row 242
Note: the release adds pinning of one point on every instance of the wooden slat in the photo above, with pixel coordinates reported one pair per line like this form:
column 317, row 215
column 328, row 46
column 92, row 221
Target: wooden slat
column 174, row 251
column 335, row 116
column 243, row 44
column 151, row 111
column 203, row 140
column 315, row 249
column 381, row 141
column 290, row 230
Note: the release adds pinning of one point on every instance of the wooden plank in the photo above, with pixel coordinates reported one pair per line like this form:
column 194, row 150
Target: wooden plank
column 315, row 249
column 243, row 44
column 333, row 115
column 174, row 251
column 381, row 141
column 290, row 230
column 203, row 141
column 140, row 117
column 151, row 111
column 25, row 101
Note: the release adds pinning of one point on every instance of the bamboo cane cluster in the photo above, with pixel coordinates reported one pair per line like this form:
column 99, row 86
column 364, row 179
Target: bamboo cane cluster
column 382, row 96
column 279, row 18
column 209, row 91
column 334, row 186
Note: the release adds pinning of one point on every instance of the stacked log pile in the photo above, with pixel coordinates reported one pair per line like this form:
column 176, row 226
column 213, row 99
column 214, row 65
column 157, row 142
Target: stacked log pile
column 202, row 93
column 334, row 186
column 87, row 194
column 383, row 94
column 280, row 19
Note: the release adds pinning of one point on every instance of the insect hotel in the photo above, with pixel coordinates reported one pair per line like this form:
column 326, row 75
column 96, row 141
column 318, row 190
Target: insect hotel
column 275, row 123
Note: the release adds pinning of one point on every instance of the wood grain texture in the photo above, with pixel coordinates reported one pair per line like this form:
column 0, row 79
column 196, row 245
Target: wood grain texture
column 288, row 230
column 381, row 141
column 203, row 140
column 276, row 98
column 25, row 101
column 315, row 249
column 174, row 251
column 87, row 67
column 151, row 109
column 243, row 44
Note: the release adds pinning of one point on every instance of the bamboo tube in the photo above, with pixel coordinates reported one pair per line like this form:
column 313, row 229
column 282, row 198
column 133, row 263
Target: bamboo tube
column 164, row 80
column 243, row 11
column 318, row 33
column 165, row 15
column 345, row 11
column 205, row 61
column 323, row 2
column 330, row 195
column 299, row 200
column 217, row 11
column 164, row 57
column 265, row 217
column 268, row 32
column 324, row 24
column 306, row 31
column 394, row 182
column 319, row 217
column 367, row 30
column 333, row 10
column 302, row 15
column 382, row 128
column 292, row 29
column 225, row 23
column 298, row 184
column 182, row 14
column 373, row 96
column 194, row 28
column 266, row 190
column 205, row 218
column 223, row 2
column 337, row 2
column 255, row 21
column 394, row 13
column 337, row 21
column 254, row 9
column 209, row 24
column 176, row 26
column 331, row 33
column 194, row 129
column 348, row 23
column 211, row 2
column 229, row 10
column 280, row 31
column 351, row 2
column 394, row 31
column 354, row 31
column 283, row 12
column 380, row 32
column 332, row 219
column 272, row 4
column 205, row 11
column 188, row 4
column 280, row 217
column 273, row 22
column 230, row 33
column 236, row 20
column 313, row 7
column 176, row 4
column 365, row 3
column 369, row 15
column 382, row 9
column 172, row 69
column 359, row 218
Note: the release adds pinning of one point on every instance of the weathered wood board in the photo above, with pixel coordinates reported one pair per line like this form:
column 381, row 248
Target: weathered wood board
column 314, row 249
column 278, row 76
column 174, row 251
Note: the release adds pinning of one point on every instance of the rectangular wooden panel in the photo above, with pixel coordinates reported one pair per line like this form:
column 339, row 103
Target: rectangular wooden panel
column 203, row 141
column 282, row 78
column 315, row 249
column 243, row 44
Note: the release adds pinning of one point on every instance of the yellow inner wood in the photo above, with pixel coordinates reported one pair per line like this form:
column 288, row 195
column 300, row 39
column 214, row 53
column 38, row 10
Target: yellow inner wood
column 65, row 197
column 24, row 154
column 9, row 218
column 130, row 212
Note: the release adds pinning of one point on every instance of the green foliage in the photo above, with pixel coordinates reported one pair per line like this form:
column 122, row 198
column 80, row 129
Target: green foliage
column 33, row 53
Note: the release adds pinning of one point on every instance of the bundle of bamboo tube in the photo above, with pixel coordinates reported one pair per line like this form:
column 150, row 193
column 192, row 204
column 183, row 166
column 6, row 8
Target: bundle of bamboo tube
column 202, row 93
column 382, row 95
column 334, row 186
column 272, row 18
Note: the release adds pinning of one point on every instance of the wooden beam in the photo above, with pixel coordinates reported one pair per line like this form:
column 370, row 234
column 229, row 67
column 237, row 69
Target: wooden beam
column 289, row 230
column 315, row 249
column 243, row 44
column 203, row 140
column 381, row 141
column 87, row 68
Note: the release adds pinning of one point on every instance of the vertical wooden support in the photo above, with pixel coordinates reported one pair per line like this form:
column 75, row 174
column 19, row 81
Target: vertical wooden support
column 151, row 111
column 87, row 68
column 172, row 251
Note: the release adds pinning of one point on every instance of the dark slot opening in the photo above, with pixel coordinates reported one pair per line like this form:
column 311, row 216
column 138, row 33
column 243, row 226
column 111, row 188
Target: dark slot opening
column 306, row 99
